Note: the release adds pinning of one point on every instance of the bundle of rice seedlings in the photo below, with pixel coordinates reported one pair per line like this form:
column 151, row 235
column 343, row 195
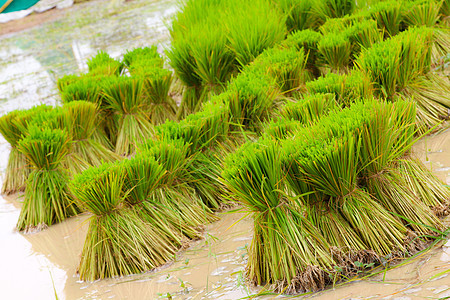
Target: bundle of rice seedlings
column 346, row 88
column 118, row 242
column 286, row 66
column 124, row 96
column 363, row 35
column 388, row 15
column 47, row 199
column 87, row 88
column 79, row 118
column 330, row 167
column 335, row 50
column 299, row 14
column 66, row 80
column 252, row 27
column 383, row 140
column 287, row 251
column 251, row 98
column 148, row 54
column 421, row 12
column 326, row 9
column 338, row 25
column 308, row 40
column 143, row 176
column 309, row 109
column 13, row 126
column 425, row 185
column 280, row 129
column 175, row 194
column 103, row 64
column 156, row 85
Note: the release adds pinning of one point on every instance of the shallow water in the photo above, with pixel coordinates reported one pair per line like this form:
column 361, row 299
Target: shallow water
column 40, row 265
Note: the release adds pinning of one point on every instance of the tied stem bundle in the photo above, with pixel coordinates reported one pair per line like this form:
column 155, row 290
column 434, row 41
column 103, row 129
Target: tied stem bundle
column 47, row 199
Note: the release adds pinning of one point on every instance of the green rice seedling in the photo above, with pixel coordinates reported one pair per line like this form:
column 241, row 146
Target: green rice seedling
column 251, row 97
column 143, row 177
column 299, row 14
column 286, row 66
column 85, row 87
column 363, row 35
column 326, row 9
column 388, row 15
column 308, row 40
column 16, row 171
column 335, row 49
column 175, row 192
column 287, row 250
column 125, row 98
column 330, row 167
column 309, row 109
column 14, row 126
column 103, row 64
column 149, row 54
column 346, row 88
column 253, row 27
column 421, row 12
column 118, row 242
column 425, row 185
column 66, row 80
column 338, row 25
column 156, row 85
column 80, row 120
column 280, row 129
column 47, row 199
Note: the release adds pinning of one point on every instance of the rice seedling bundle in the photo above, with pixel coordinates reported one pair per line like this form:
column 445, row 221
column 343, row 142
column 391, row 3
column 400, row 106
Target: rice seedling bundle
column 388, row 15
column 118, row 241
column 330, row 167
column 309, row 109
column 87, row 88
column 64, row 81
column 124, row 96
column 308, row 40
column 156, row 85
column 363, row 35
column 326, row 9
column 335, row 49
column 384, row 139
column 299, row 14
column 143, row 176
column 47, row 198
column 103, row 64
column 346, row 87
column 80, row 120
column 251, row 98
column 421, row 12
column 286, row 66
column 175, row 193
column 148, row 54
column 13, row 127
column 280, row 129
column 287, row 250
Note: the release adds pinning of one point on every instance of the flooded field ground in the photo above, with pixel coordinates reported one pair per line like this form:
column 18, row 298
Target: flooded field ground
column 43, row 265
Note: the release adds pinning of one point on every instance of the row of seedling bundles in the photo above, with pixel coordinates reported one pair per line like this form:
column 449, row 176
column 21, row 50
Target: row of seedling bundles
column 332, row 199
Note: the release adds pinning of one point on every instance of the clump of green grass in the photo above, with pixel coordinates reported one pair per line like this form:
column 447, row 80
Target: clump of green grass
column 103, row 64
column 148, row 54
column 124, row 96
column 280, row 129
column 299, row 14
column 47, row 199
column 118, row 242
column 326, row 9
column 363, row 35
column 287, row 250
